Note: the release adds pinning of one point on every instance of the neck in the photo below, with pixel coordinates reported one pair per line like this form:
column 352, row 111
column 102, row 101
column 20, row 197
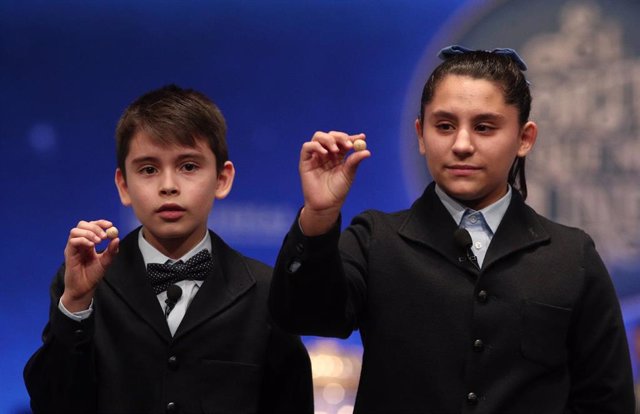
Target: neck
column 174, row 248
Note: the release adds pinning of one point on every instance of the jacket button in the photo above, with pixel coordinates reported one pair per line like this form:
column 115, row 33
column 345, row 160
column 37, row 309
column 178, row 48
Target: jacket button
column 173, row 362
column 172, row 408
column 294, row 266
column 483, row 296
column 478, row 345
column 299, row 247
column 472, row 398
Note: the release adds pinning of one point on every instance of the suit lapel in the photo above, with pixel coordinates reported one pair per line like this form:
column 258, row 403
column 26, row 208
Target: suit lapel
column 127, row 277
column 519, row 229
column 227, row 282
column 430, row 223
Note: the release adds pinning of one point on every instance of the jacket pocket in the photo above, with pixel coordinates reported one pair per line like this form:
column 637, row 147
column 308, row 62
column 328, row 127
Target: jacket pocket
column 544, row 333
column 230, row 386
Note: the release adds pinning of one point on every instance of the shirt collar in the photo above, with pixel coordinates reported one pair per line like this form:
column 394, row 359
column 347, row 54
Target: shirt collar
column 492, row 214
column 151, row 255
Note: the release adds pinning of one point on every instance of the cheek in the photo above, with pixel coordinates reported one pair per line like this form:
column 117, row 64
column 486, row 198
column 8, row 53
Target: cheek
column 512, row 152
column 205, row 193
column 433, row 149
column 140, row 194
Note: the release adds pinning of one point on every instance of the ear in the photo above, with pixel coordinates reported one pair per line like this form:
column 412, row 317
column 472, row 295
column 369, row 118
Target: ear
column 421, row 145
column 123, row 190
column 225, row 180
column 528, row 136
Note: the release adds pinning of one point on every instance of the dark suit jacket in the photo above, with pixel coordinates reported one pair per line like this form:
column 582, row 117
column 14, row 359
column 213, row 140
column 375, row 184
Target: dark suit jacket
column 537, row 330
column 225, row 357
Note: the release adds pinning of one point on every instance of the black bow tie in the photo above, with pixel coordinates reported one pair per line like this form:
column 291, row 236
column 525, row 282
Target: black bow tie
column 162, row 276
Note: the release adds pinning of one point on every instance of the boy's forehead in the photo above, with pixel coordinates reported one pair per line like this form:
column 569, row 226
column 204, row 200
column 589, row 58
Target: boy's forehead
column 143, row 143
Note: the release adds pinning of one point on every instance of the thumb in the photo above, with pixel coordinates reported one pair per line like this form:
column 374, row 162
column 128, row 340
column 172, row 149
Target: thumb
column 110, row 253
column 353, row 161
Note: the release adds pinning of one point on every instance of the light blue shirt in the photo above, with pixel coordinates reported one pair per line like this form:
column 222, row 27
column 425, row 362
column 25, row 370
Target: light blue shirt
column 481, row 224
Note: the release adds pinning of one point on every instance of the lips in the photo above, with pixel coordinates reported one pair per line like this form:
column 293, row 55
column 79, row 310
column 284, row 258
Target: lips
column 462, row 170
column 171, row 211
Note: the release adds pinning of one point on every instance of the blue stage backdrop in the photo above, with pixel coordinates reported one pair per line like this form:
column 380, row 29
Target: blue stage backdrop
column 280, row 70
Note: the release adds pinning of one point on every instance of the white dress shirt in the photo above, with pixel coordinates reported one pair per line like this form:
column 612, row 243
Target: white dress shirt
column 151, row 255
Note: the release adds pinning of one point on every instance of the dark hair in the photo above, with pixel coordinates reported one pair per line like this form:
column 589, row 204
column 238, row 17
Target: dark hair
column 172, row 115
column 496, row 68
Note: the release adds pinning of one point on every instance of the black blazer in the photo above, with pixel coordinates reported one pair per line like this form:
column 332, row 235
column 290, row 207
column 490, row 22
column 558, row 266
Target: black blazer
column 537, row 330
column 225, row 357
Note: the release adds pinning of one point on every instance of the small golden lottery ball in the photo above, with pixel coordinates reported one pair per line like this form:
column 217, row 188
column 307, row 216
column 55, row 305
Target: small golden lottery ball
column 112, row 232
column 359, row 145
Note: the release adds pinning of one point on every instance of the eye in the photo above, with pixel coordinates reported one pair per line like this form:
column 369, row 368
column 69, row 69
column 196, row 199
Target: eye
column 189, row 167
column 484, row 128
column 147, row 170
column 444, row 126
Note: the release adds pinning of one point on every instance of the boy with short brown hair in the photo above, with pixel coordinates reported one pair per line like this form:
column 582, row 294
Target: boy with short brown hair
column 117, row 339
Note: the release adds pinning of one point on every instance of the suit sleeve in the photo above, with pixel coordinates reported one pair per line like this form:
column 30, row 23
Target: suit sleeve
column 288, row 385
column 599, row 360
column 60, row 376
column 318, row 287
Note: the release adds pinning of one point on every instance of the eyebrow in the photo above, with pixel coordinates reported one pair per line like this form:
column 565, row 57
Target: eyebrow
column 143, row 160
column 488, row 116
column 181, row 157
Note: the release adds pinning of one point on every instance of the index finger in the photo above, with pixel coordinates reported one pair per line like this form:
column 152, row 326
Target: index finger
column 336, row 141
column 96, row 226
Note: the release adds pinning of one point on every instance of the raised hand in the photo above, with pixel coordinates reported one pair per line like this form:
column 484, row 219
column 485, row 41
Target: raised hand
column 84, row 267
column 327, row 171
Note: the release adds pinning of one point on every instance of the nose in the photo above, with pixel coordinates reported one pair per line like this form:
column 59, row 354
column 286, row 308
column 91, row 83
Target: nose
column 463, row 143
column 168, row 185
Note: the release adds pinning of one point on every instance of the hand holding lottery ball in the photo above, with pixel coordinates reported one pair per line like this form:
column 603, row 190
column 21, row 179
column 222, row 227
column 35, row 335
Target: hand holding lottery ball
column 112, row 232
column 359, row 145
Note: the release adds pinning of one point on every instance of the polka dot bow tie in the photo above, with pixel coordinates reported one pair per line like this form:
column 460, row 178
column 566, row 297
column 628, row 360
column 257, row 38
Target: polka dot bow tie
column 162, row 276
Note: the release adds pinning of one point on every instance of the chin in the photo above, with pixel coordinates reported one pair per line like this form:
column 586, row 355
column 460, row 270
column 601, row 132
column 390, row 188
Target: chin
column 469, row 198
column 462, row 191
column 168, row 232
